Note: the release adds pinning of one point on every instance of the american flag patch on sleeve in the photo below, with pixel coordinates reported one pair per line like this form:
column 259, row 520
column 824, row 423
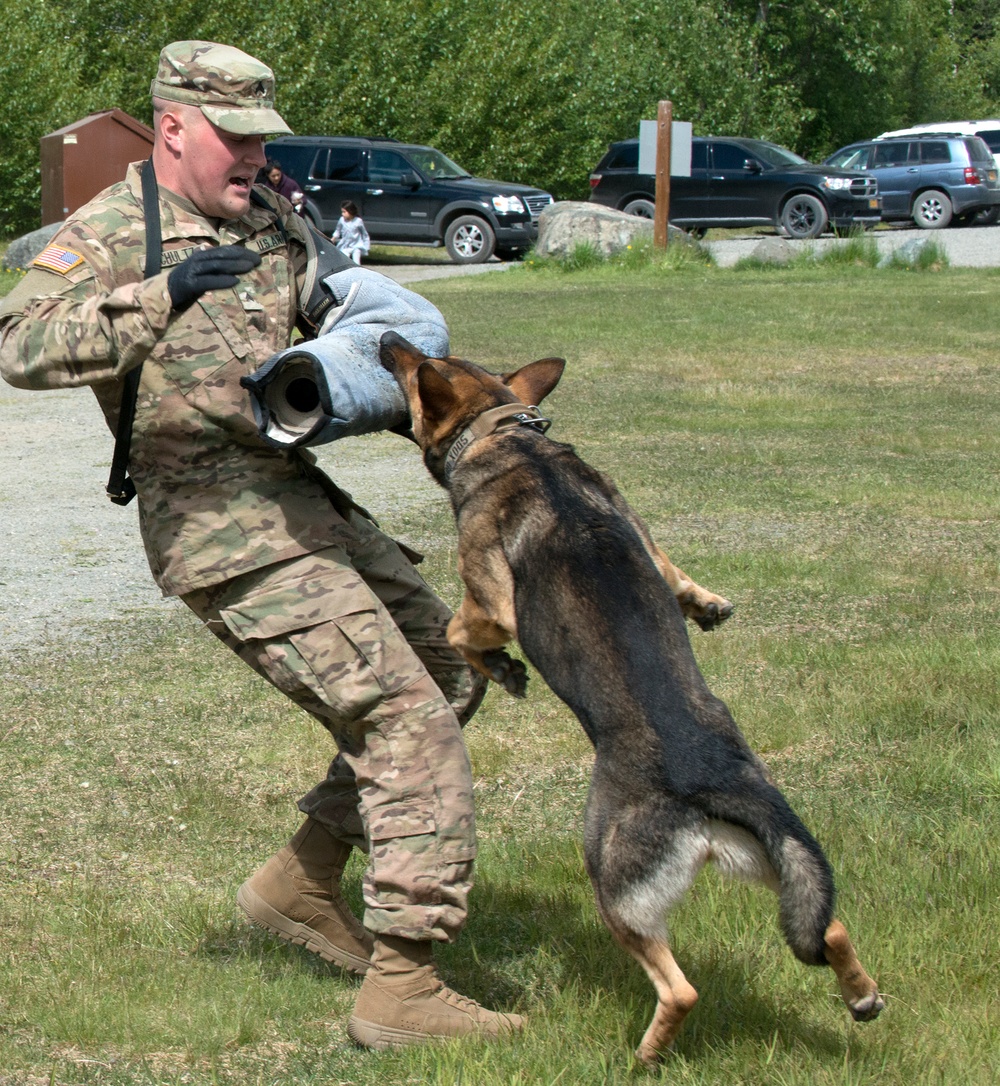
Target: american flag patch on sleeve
column 56, row 258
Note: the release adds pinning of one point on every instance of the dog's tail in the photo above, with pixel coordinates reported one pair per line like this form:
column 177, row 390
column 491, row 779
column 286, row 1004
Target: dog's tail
column 806, row 894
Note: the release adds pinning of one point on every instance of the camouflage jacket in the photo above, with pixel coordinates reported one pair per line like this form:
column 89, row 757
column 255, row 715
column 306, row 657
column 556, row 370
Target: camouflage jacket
column 214, row 499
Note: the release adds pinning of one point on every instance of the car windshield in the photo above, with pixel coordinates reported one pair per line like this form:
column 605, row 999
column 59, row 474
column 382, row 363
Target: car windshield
column 850, row 158
column 772, row 154
column 433, row 164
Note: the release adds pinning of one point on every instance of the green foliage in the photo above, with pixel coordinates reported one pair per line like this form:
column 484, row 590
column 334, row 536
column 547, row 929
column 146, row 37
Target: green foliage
column 530, row 93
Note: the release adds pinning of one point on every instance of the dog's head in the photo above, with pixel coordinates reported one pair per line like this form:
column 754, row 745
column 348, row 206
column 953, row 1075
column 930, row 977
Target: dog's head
column 445, row 394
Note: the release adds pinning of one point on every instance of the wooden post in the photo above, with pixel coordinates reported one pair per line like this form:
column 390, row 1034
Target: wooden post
column 664, row 120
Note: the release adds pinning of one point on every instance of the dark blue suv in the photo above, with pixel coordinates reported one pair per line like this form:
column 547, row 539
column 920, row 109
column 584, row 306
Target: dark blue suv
column 932, row 179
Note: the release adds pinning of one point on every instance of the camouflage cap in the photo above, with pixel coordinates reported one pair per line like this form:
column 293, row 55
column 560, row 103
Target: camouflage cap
column 232, row 89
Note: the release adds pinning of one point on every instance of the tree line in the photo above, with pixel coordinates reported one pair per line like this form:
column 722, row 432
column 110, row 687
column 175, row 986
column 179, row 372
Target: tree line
column 523, row 92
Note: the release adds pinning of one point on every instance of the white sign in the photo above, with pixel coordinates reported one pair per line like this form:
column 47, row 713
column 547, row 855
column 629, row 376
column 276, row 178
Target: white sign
column 680, row 147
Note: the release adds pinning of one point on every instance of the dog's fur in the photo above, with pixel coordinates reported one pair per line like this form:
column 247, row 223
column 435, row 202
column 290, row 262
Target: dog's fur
column 552, row 555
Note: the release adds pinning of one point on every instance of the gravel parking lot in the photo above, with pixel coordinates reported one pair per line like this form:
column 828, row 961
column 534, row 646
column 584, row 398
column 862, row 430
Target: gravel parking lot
column 69, row 557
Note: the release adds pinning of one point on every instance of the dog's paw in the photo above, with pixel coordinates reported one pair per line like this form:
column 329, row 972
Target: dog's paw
column 705, row 608
column 868, row 1007
column 511, row 674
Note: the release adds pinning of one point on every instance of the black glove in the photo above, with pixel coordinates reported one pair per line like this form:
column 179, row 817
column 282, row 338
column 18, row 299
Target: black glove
column 208, row 269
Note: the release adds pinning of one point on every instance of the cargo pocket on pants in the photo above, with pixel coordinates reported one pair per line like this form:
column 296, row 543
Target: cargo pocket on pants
column 337, row 642
column 387, row 823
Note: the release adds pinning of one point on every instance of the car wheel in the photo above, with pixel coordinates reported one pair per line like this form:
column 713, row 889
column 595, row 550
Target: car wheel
column 803, row 217
column 469, row 240
column 645, row 209
column 932, row 210
column 987, row 217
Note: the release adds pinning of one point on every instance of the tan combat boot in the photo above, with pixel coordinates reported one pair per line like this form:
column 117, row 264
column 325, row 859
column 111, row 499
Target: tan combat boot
column 404, row 1002
column 296, row 896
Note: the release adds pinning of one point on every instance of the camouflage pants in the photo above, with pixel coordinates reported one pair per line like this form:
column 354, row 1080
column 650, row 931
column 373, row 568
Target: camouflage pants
column 355, row 636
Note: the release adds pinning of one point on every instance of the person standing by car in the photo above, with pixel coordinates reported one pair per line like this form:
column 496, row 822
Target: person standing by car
column 278, row 181
column 266, row 551
column 351, row 236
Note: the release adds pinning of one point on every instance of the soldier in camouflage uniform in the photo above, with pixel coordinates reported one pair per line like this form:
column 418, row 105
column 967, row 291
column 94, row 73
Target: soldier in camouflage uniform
column 263, row 547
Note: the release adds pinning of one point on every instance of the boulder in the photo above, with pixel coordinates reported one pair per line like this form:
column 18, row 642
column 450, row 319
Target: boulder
column 773, row 251
column 24, row 249
column 565, row 225
column 907, row 254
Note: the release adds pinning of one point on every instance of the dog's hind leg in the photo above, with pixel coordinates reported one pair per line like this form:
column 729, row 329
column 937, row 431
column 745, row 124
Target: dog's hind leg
column 675, row 995
column 480, row 639
column 738, row 853
column 642, row 860
column 857, row 988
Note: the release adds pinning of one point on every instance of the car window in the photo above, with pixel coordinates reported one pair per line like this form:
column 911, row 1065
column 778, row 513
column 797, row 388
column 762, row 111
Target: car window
column 436, row 166
column 851, row 158
column 935, row 151
column 978, row 150
column 728, row 156
column 625, row 157
column 319, row 164
column 991, row 137
column 890, row 153
column 344, row 164
column 387, row 167
column 774, row 155
column 294, row 160
column 699, row 156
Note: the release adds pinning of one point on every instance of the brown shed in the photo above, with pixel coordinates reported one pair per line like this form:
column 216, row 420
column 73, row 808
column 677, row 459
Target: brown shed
column 83, row 158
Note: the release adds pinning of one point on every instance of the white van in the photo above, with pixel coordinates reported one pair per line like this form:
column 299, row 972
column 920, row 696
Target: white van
column 988, row 131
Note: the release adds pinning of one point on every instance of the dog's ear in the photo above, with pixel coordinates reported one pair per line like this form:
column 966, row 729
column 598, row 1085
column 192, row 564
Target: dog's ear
column 393, row 348
column 437, row 397
column 533, row 382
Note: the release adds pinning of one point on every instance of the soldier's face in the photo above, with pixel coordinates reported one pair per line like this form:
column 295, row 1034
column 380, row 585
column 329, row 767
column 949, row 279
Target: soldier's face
column 218, row 169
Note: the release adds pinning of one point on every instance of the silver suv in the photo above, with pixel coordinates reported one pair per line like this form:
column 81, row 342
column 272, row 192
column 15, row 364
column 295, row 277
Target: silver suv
column 932, row 179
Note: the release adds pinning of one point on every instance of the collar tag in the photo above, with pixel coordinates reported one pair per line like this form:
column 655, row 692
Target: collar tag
column 496, row 419
column 462, row 442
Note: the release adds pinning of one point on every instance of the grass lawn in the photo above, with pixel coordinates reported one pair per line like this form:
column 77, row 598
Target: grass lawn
column 819, row 444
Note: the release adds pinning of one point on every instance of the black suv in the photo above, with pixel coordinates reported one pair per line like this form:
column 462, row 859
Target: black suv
column 411, row 195
column 739, row 182
column 930, row 178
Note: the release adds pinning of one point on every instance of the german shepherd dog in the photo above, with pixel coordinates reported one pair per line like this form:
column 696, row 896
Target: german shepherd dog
column 552, row 555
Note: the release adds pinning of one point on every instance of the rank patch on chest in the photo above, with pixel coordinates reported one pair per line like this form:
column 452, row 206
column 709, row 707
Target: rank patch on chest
column 56, row 258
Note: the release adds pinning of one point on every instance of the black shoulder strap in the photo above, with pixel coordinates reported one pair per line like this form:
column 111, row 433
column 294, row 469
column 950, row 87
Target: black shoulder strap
column 259, row 201
column 120, row 488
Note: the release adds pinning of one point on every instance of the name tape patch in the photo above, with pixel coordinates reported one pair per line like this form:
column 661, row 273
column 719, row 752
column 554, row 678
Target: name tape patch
column 56, row 258
column 260, row 245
